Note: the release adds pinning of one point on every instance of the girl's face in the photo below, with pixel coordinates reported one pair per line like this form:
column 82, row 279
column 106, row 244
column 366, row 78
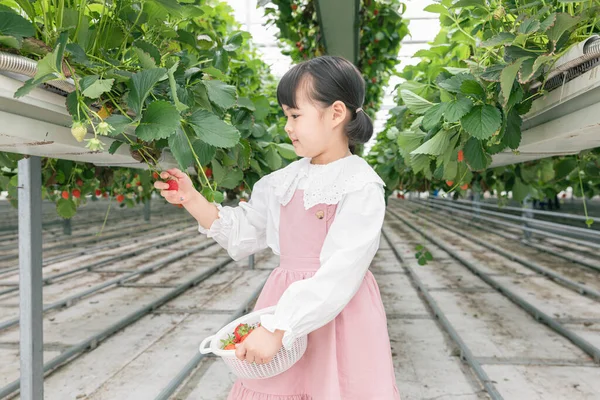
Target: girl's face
column 312, row 130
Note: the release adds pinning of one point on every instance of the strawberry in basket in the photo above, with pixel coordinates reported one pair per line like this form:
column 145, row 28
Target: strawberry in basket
column 240, row 333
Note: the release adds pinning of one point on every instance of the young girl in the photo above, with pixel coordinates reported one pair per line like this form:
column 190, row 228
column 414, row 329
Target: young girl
column 323, row 216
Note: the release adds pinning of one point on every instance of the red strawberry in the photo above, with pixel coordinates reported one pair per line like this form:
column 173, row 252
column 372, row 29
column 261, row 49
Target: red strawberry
column 155, row 175
column 240, row 330
column 449, row 183
column 244, row 337
column 98, row 192
column 120, row 198
column 79, row 182
column 374, row 80
column 461, row 156
column 375, row 12
column 105, row 195
column 138, row 183
column 294, row 7
column 465, row 186
column 208, row 172
column 173, row 185
column 128, row 185
column 227, row 343
column 77, row 193
column 65, row 195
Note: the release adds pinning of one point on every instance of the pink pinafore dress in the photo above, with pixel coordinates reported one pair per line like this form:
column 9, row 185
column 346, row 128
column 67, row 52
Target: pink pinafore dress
column 349, row 358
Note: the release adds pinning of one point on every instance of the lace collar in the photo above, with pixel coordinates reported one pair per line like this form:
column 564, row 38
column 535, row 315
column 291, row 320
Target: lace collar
column 327, row 183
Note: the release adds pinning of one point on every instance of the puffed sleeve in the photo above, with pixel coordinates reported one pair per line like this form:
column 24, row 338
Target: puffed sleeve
column 347, row 252
column 241, row 230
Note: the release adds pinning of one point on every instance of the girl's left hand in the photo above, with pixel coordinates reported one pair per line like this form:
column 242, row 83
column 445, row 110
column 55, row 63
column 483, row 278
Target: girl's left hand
column 260, row 346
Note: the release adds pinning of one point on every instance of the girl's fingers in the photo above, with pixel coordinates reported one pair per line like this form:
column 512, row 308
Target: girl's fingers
column 176, row 173
column 161, row 185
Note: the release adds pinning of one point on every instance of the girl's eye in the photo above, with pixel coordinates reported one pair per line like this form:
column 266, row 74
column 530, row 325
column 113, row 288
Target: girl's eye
column 295, row 116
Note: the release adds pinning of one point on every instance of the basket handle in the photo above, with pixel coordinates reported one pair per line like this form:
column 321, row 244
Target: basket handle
column 206, row 350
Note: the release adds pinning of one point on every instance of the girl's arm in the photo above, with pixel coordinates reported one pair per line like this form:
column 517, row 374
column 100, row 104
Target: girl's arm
column 241, row 230
column 204, row 212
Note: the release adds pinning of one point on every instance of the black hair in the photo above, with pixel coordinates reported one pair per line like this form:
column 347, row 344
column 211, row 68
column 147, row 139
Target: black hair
column 332, row 78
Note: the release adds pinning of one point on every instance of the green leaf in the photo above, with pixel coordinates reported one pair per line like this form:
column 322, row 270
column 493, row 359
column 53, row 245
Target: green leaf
column 11, row 41
column 220, row 93
column 437, row 9
column 214, row 131
column 548, row 22
column 434, row 146
column 204, row 151
column 420, row 162
column 563, row 23
column 173, row 85
column 119, row 124
column 148, row 48
column 140, row 85
column 31, row 84
column 469, row 3
column 501, row 38
column 415, row 103
column 286, row 151
column 180, row 147
column 433, row 116
column 146, row 61
column 221, row 60
column 529, row 26
column 234, row 42
column 520, row 190
column 159, row 121
column 455, row 71
column 114, row 146
column 98, row 87
column 564, row 167
column 475, row 155
column 450, row 170
column 232, row 179
column 273, row 158
column 215, row 73
column 47, row 66
column 512, row 131
column 482, row 121
column 472, row 87
column 492, row 73
column 12, row 24
column 507, row 78
column 457, row 108
column 409, row 141
column 263, row 107
column 66, row 208
column 454, row 84
column 246, row 103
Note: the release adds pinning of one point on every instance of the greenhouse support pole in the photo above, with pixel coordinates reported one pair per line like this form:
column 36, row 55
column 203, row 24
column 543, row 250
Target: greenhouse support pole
column 147, row 210
column 67, row 226
column 30, row 278
column 251, row 261
column 477, row 204
column 527, row 215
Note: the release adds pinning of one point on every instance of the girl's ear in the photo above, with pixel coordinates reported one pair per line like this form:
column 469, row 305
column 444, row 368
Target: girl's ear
column 339, row 111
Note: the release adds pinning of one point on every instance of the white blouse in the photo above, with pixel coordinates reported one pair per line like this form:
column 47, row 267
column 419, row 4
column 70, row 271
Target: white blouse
column 348, row 249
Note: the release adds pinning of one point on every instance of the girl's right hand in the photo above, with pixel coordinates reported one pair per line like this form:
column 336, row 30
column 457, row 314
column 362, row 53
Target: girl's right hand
column 185, row 192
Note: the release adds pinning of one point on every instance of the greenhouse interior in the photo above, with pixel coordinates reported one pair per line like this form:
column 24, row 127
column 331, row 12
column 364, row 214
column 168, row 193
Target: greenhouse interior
column 243, row 199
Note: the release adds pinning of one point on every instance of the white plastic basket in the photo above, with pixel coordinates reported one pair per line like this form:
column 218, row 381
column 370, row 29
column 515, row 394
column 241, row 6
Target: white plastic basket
column 281, row 362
